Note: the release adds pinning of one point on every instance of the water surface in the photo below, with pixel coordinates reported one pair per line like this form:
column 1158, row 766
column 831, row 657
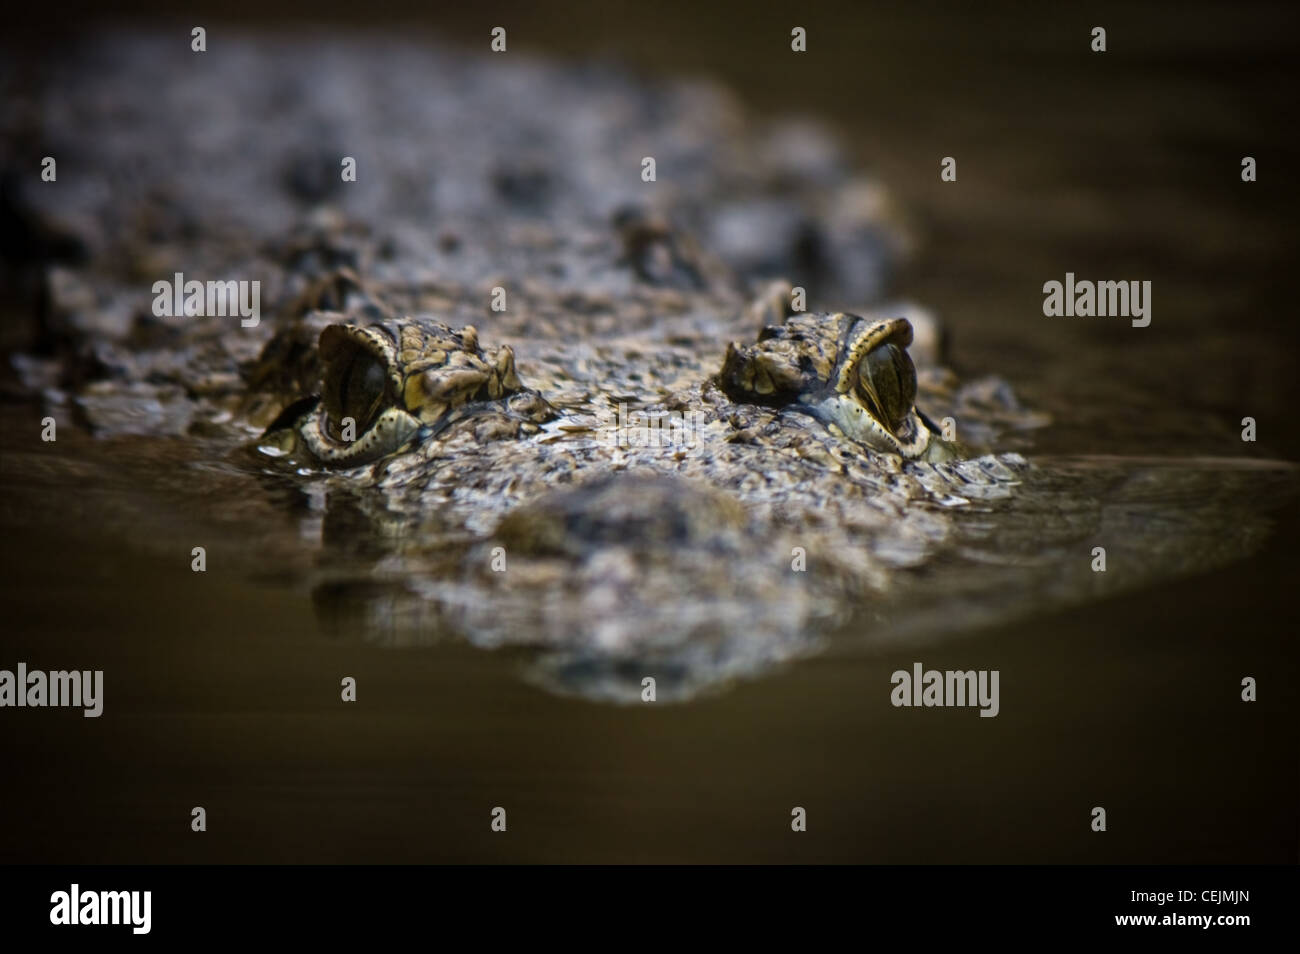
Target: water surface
column 222, row 688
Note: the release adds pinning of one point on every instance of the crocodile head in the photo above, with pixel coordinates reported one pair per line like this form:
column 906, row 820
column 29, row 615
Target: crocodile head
column 850, row 373
column 393, row 385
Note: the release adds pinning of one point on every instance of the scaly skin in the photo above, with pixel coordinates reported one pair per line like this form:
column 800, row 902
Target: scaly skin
column 802, row 486
column 621, row 549
column 489, row 491
column 389, row 387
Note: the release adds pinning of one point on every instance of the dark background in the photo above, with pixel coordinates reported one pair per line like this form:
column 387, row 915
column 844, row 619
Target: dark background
column 1119, row 165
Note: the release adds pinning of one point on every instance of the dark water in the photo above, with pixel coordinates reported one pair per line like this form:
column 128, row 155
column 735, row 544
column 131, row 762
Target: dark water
column 222, row 689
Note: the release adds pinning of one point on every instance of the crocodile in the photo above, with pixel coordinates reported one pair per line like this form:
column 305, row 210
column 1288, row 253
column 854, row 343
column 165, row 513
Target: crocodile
column 538, row 398
column 624, row 547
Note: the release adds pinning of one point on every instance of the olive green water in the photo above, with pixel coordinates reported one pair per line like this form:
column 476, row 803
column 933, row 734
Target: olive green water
column 222, row 688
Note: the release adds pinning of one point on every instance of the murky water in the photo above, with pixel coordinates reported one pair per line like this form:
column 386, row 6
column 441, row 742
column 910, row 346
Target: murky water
column 223, row 688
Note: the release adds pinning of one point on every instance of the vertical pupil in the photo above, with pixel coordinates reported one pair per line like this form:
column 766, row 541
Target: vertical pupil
column 361, row 389
column 890, row 377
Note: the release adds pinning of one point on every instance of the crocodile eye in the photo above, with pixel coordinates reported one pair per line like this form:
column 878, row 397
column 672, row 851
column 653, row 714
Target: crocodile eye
column 361, row 390
column 887, row 381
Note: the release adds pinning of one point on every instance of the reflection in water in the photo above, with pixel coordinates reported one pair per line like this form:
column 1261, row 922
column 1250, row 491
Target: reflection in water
column 95, row 528
column 630, row 577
